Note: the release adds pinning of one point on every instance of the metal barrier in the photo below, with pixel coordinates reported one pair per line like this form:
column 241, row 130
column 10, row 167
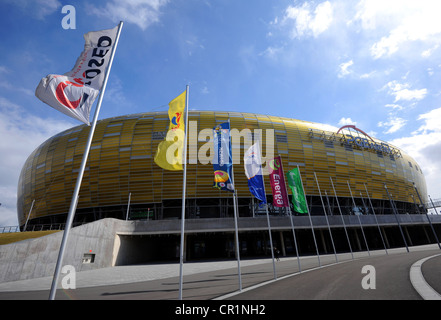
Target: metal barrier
column 435, row 203
column 9, row 229
column 35, row 227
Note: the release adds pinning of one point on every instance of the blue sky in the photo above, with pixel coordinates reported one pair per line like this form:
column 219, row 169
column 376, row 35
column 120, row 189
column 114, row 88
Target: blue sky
column 372, row 63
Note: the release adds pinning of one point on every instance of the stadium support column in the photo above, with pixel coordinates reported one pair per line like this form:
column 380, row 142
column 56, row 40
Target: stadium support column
column 396, row 217
column 282, row 243
column 408, row 235
column 433, row 205
column 310, row 221
column 425, row 211
column 326, row 216
column 375, row 217
column 359, row 221
column 342, row 219
column 29, row 214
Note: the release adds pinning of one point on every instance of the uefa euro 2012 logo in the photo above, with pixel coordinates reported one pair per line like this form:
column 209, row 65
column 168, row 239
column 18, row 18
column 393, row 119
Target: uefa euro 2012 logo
column 218, row 130
column 220, row 179
column 176, row 121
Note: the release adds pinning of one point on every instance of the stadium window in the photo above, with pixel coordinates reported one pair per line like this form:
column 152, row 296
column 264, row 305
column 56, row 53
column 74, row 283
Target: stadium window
column 348, row 147
column 280, row 138
column 329, row 144
column 113, row 134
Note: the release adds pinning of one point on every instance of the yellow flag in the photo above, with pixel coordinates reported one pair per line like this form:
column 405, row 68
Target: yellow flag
column 169, row 153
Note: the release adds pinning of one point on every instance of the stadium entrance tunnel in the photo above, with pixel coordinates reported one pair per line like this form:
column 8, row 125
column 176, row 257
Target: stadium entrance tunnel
column 133, row 249
column 138, row 249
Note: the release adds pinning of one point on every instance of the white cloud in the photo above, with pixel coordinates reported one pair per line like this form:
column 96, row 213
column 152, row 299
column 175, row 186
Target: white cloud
column 427, row 53
column 432, row 121
column 401, row 21
column 46, row 7
column 424, row 145
column 344, row 68
column 346, row 121
column 8, row 86
column 373, row 14
column 368, row 75
column 382, row 28
column 394, row 124
column 309, row 21
column 205, row 90
column 402, row 91
column 143, row 13
column 271, row 52
column 394, row 107
column 21, row 133
column 40, row 9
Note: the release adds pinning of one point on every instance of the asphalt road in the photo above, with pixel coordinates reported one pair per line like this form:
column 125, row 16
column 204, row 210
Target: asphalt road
column 344, row 281
column 332, row 281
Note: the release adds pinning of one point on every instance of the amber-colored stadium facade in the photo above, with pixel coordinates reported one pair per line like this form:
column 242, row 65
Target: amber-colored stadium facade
column 122, row 181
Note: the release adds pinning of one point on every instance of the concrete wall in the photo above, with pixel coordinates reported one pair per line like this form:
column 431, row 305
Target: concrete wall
column 34, row 258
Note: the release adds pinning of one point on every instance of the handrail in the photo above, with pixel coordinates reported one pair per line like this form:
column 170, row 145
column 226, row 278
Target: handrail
column 36, row 227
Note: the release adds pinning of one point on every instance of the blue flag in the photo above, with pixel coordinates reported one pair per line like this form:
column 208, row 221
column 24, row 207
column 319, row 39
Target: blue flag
column 253, row 171
column 223, row 159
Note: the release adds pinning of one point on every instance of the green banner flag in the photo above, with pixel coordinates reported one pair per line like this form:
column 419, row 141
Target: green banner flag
column 298, row 196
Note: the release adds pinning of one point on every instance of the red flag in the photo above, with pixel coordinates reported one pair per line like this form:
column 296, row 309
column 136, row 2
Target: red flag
column 277, row 179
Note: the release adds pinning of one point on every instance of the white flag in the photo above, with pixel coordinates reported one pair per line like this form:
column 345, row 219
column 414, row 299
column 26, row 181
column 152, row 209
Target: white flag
column 253, row 161
column 253, row 171
column 74, row 92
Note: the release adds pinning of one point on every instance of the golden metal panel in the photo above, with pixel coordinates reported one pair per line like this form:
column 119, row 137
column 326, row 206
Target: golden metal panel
column 123, row 149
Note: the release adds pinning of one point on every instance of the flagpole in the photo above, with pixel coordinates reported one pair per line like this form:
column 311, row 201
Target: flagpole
column 269, row 231
column 235, row 215
column 310, row 219
column 326, row 216
column 236, row 231
column 268, row 219
column 291, row 217
column 73, row 203
column 184, row 186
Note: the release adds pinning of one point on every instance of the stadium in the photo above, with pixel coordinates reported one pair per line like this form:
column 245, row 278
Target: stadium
column 362, row 193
